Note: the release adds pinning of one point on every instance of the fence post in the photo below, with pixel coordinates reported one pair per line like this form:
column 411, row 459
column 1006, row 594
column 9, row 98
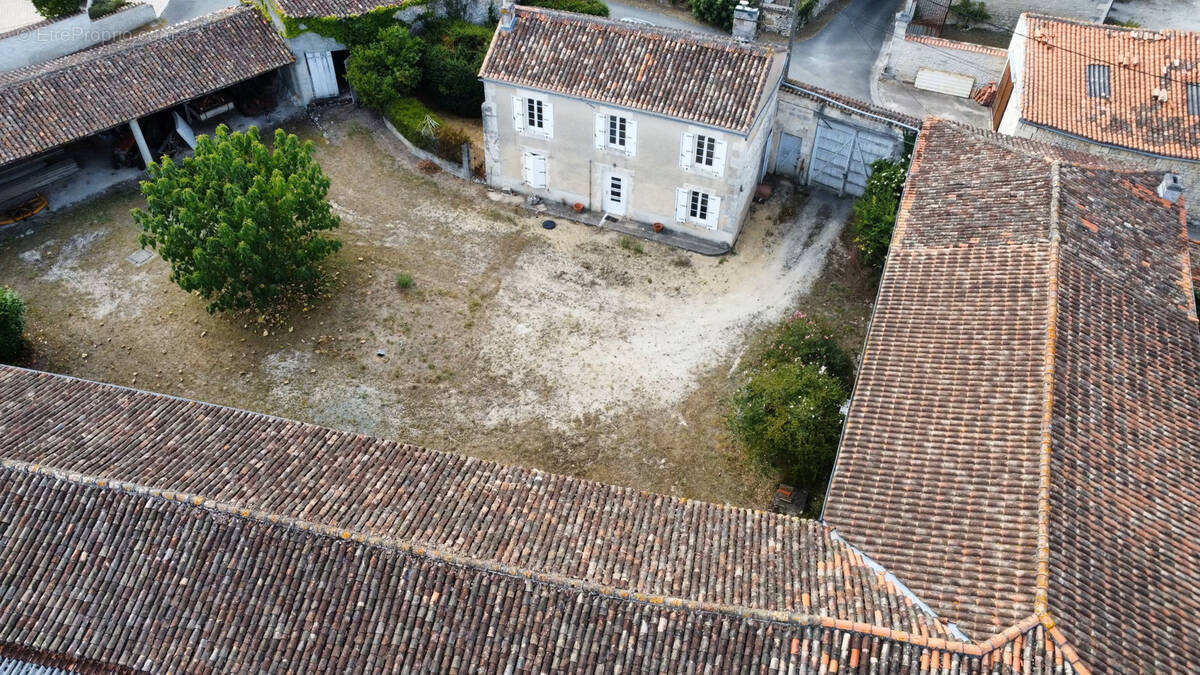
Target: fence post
column 466, row 161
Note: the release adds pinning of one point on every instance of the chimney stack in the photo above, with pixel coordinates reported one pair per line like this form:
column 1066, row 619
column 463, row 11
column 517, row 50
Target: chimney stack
column 745, row 21
column 1170, row 188
column 508, row 15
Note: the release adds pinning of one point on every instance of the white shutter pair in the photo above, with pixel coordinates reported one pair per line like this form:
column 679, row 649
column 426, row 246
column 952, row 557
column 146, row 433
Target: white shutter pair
column 687, row 154
column 683, row 204
column 600, row 134
column 533, row 169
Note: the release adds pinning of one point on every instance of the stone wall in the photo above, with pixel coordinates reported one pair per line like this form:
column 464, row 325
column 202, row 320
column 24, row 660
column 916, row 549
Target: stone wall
column 907, row 54
column 44, row 41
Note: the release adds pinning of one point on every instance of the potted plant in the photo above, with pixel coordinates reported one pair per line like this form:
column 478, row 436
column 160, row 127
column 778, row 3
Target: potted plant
column 578, row 207
column 658, row 227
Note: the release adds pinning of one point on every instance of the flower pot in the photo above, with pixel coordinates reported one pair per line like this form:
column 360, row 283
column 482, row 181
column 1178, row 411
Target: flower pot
column 658, row 227
column 578, row 207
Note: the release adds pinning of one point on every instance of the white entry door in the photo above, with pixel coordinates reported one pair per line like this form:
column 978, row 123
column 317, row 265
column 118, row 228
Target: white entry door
column 616, row 193
column 320, row 70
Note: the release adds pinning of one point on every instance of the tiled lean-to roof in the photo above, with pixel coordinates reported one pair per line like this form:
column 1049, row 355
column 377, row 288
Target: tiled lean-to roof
column 49, row 104
column 1149, row 72
column 158, row 534
column 690, row 76
column 1024, row 437
column 340, row 8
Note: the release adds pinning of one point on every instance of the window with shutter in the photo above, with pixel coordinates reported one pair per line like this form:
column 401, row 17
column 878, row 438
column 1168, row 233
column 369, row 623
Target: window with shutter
column 706, row 153
column 534, row 170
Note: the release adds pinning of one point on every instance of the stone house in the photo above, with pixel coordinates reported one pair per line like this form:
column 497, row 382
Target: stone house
column 1132, row 95
column 641, row 123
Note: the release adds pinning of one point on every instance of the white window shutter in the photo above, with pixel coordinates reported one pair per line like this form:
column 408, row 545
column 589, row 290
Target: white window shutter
column 601, row 130
column 681, row 204
column 714, row 211
column 548, row 116
column 687, row 150
column 526, row 168
column 631, row 137
column 718, row 166
column 518, row 113
column 538, row 171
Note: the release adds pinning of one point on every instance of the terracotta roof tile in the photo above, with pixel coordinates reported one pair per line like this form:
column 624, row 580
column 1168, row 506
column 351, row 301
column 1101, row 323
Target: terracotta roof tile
column 690, row 76
column 1142, row 63
column 1025, row 431
column 319, row 8
column 49, row 104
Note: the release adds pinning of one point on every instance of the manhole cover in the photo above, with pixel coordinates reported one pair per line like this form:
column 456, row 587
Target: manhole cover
column 140, row 257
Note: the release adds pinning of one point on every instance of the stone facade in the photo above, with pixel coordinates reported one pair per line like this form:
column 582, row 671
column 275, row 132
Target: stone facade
column 908, row 54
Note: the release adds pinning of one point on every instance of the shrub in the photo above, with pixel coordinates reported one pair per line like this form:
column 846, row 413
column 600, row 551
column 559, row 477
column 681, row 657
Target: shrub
column 411, row 118
column 593, row 7
column 56, row 9
column 716, row 12
column 970, row 13
column 385, row 69
column 454, row 52
column 12, row 324
column 240, row 223
column 808, row 341
column 101, row 8
column 789, row 420
column 875, row 210
column 404, row 280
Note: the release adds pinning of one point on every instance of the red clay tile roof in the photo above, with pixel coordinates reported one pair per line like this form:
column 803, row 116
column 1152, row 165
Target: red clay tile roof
column 318, row 8
column 49, row 104
column 1141, row 63
column 167, row 535
column 699, row 78
column 1024, row 435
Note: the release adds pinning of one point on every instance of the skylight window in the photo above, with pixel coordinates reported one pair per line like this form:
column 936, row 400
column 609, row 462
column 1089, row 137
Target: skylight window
column 1098, row 82
column 1193, row 98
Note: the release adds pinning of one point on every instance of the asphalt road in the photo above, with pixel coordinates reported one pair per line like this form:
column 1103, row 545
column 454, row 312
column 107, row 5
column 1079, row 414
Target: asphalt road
column 659, row 15
column 840, row 56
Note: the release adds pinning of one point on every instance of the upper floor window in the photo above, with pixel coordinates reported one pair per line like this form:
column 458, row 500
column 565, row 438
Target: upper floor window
column 615, row 132
column 703, row 152
column 1098, row 82
column 533, row 115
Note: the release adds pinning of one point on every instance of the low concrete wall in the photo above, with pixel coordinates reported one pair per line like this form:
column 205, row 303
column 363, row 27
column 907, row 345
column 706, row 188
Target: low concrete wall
column 49, row 40
column 907, row 54
column 459, row 170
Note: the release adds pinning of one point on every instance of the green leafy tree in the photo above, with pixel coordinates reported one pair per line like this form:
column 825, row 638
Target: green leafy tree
column 971, row 13
column 240, row 223
column 385, row 69
column 716, row 12
column 875, row 211
column 789, row 420
column 592, row 7
column 454, row 52
column 55, row 9
column 12, row 324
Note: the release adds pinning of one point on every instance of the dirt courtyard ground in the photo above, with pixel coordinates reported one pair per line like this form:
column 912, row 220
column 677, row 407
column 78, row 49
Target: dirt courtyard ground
column 556, row 349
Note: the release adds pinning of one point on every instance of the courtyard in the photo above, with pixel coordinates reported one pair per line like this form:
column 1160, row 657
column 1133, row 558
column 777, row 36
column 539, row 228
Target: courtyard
column 573, row 350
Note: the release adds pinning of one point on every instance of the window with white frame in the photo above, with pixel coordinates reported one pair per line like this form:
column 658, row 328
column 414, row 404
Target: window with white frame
column 697, row 206
column 702, row 152
column 616, row 132
column 533, row 115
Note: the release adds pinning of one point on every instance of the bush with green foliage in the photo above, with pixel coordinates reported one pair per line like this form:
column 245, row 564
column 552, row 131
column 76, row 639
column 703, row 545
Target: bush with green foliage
column 454, row 52
column 970, row 13
column 57, row 9
column 789, row 419
column 593, row 7
column 809, row 341
column 716, row 12
column 385, row 69
column 350, row 30
column 410, row 116
column 101, row 8
column 12, row 324
column 240, row 224
column 875, row 210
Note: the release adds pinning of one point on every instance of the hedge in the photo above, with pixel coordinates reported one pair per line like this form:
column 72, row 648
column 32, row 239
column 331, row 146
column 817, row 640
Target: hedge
column 593, row 7
column 408, row 115
column 12, row 324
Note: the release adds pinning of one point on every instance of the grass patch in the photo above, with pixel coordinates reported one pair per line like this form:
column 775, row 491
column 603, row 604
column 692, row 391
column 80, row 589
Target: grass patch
column 404, row 281
column 632, row 245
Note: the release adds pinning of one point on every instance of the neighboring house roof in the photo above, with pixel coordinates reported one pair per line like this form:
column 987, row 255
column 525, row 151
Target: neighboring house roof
column 320, row 8
column 699, row 78
column 49, row 104
column 1024, row 436
column 1142, row 64
column 853, row 105
column 166, row 535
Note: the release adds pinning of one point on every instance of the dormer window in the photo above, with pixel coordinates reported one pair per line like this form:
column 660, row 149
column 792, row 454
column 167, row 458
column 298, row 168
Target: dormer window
column 1193, row 98
column 1098, row 82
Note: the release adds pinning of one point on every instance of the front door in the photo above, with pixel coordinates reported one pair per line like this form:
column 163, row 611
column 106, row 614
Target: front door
column 787, row 158
column 616, row 194
column 324, row 77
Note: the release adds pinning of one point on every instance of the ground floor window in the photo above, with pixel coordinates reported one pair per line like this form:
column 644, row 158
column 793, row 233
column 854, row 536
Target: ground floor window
column 534, row 169
column 697, row 206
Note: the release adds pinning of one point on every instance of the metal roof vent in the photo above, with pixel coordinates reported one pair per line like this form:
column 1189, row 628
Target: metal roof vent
column 1170, row 188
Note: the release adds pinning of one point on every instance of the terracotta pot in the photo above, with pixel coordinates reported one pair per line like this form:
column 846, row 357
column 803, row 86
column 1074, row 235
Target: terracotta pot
column 578, row 207
column 658, row 227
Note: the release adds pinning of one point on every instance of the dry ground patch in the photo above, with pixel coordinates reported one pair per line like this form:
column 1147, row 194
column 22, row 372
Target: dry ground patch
column 555, row 349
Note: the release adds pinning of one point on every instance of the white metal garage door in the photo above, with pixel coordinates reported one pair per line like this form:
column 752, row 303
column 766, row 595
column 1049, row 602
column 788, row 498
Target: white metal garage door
column 842, row 156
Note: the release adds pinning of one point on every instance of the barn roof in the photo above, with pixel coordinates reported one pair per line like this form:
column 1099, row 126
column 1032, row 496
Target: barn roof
column 49, row 104
column 340, row 8
column 1144, row 105
column 160, row 534
column 698, row 78
column 1024, row 437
